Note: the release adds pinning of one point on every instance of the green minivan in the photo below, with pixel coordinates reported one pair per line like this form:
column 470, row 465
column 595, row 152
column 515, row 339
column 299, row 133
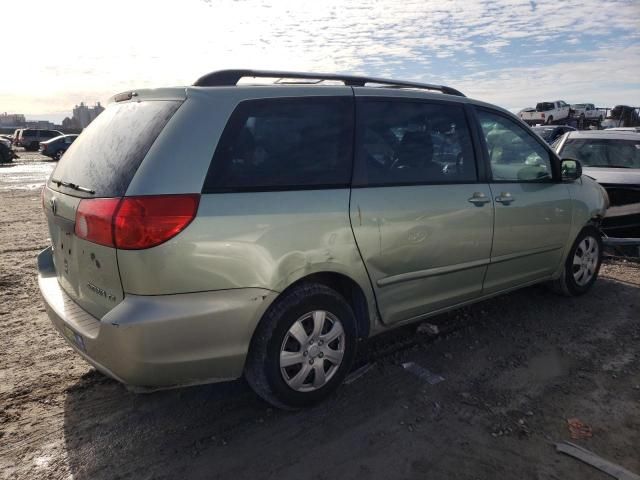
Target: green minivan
column 223, row 229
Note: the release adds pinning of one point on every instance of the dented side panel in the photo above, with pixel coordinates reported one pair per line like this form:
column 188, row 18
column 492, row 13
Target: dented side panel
column 244, row 240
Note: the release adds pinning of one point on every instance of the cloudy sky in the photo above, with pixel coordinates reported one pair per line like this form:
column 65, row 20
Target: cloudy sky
column 510, row 52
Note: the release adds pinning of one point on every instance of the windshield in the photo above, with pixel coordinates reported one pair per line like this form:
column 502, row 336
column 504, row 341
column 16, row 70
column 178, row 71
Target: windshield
column 105, row 157
column 544, row 107
column 598, row 152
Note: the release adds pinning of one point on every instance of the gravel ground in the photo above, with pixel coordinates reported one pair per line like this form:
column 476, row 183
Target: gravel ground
column 515, row 369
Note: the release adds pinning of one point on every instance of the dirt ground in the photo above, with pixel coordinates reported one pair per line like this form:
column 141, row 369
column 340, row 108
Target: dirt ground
column 515, row 369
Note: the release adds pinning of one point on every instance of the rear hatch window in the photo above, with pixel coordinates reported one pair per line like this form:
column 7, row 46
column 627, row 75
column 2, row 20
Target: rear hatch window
column 107, row 154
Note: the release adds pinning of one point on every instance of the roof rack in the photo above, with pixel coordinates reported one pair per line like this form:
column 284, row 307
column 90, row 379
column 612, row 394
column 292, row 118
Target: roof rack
column 227, row 78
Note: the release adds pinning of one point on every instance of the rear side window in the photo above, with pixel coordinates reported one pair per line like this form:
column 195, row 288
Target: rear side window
column 403, row 142
column 109, row 151
column 284, row 143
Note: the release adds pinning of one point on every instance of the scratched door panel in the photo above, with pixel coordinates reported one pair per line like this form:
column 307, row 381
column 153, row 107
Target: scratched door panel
column 425, row 246
column 530, row 233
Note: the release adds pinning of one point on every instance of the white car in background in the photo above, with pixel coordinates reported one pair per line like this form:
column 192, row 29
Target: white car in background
column 612, row 158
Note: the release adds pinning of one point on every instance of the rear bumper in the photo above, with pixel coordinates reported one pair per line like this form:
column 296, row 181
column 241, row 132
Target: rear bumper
column 159, row 341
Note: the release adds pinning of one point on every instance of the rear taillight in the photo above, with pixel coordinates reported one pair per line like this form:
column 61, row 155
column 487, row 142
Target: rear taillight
column 135, row 223
column 94, row 220
column 144, row 222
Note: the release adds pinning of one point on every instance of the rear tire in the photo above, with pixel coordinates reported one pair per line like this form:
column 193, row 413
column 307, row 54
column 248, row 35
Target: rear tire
column 303, row 347
column 58, row 155
column 582, row 265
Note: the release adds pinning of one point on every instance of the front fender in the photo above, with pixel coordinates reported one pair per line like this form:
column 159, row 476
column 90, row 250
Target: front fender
column 589, row 202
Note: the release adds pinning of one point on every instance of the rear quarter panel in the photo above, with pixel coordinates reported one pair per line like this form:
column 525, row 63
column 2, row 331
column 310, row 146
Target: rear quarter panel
column 267, row 240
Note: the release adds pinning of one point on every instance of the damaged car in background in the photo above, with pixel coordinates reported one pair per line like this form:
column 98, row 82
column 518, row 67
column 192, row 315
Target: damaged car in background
column 622, row 116
column 612, row 158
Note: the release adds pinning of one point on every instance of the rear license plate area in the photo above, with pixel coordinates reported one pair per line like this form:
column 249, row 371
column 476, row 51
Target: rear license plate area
column 74, row 337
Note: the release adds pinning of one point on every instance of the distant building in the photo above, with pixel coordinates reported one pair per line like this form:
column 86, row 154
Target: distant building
column 83, row 115
column 43, row 124
column 70, row 124
column 12, row 120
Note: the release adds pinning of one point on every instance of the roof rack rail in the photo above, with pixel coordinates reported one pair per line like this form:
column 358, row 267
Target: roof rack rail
column 227, row 78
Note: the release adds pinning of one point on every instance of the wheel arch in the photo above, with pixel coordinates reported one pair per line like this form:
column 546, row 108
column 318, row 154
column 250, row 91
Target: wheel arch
column 346, row 286
column 588, row 207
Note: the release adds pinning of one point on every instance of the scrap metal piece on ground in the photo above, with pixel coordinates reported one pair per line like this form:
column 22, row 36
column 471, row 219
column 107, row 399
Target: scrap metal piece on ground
column 578, row 429
column 356, row 374
column 590, row 458
column 428, row 329
column 422, row 373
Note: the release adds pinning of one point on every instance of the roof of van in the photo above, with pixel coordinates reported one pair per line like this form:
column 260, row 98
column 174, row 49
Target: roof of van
column 229, row 78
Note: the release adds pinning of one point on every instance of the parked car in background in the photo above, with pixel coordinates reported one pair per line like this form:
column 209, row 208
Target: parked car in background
column 527, row 109
column 30, row 138
column 624, row 129
column 612, row 158
column 586, row 114
column 6, row 153
column 622, row 116
column 56, row 147
column 550, row 133
column 8, row 138
column 547, row 113
column 16, row 137
column 270, row 258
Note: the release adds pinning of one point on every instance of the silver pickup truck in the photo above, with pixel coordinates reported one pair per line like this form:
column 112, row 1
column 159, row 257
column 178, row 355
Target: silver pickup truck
column 587, row 114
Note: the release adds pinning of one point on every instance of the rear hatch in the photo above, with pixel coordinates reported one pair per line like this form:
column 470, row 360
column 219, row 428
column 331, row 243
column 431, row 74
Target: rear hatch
column 95, row 171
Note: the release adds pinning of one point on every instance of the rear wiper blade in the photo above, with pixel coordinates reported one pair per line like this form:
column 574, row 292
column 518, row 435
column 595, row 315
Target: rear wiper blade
column 73, row 186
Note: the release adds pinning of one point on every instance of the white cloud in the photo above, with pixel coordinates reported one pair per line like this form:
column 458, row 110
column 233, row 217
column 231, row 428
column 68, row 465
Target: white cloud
column 604, row 77
column 93, row 53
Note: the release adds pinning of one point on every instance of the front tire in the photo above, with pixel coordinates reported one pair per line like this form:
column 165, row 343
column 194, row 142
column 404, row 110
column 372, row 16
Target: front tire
column 582, row 265
column 5, row 156
column 303, row 347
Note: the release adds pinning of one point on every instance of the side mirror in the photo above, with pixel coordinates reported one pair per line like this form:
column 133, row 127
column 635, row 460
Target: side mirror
column 571, row 169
